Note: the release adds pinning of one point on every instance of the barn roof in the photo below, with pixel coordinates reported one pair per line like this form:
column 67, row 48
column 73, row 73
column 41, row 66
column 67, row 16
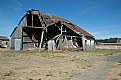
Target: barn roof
column 13, row 31
column 57, row 18
column 75, row 26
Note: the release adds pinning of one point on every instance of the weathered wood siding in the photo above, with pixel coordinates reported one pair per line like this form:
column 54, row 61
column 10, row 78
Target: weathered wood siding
column 16, row 35
column 88, row 43
column 27, row 41
column 23, row 22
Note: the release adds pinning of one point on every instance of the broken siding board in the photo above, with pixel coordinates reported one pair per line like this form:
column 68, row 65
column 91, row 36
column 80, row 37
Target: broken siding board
column 25, row 39
column 51, row 45
column 28, row 45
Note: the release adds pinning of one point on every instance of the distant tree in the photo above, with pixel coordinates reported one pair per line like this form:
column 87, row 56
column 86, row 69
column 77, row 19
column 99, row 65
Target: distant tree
column 110, row 40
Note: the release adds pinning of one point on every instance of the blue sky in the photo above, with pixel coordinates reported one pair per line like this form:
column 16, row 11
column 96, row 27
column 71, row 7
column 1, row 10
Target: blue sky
column 101, row 18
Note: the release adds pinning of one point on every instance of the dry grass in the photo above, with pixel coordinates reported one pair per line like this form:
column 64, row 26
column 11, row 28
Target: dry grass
column 104, row 52
column 9, row 73
column 51, row 65
column 46, row 53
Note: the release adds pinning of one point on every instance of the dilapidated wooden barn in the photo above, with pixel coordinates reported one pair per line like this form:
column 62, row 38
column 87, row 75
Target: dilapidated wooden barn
column 41, row 30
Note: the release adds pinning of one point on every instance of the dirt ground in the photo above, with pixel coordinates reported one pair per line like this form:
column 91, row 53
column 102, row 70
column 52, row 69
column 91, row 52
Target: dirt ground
column 59, row 65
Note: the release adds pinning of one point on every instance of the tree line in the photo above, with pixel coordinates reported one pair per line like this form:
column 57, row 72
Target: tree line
column 110, row 40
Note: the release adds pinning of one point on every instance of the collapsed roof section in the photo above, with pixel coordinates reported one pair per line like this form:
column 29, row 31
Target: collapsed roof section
column 41, row 30
column 73, row 25
column 49, row 19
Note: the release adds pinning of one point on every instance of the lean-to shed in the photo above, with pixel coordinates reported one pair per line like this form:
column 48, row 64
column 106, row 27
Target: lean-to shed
column 42, row 30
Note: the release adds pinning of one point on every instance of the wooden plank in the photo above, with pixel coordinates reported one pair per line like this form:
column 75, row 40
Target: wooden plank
column 32, row 20
column 40, row 46
column 28, row 46
column 35, row 27
column 33, row 39
column 61, row 30
column 83, row 43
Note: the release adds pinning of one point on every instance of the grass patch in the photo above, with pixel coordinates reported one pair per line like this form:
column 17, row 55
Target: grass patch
column 119, row 74
column 119, row 63
column 45, row 53
column 9, row 73
column 114, row 79
column 104, row 51
column 42, row 53
column 9, row 53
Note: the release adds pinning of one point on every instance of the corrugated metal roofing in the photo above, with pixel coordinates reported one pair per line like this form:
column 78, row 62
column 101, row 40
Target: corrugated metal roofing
column 62, row 19
column 75, row 26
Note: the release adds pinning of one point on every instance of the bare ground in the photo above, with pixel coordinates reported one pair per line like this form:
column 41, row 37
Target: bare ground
column 59, row 65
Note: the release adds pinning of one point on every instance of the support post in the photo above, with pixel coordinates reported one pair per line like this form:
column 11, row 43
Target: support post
column 32, row 19
column 61, row 30
column 40, row 45
column 83, row 42
column 22, row 40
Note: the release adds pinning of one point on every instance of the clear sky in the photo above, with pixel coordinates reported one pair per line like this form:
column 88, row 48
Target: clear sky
column 101, row 18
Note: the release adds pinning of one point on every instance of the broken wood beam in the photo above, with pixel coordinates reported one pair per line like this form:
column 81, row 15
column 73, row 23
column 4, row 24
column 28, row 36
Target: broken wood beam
column 41, row 41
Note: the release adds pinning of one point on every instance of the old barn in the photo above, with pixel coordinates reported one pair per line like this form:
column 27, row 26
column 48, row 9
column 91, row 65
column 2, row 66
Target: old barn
column 42, row 30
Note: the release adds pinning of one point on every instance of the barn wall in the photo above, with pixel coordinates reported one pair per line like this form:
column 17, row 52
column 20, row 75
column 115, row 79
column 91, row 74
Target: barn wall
column 30, row 36
column 16, row 35
column 27, row 46
column 23, row 22
column 92, row 44
column 12, row 46
column 88, row 43
column 27, row 41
